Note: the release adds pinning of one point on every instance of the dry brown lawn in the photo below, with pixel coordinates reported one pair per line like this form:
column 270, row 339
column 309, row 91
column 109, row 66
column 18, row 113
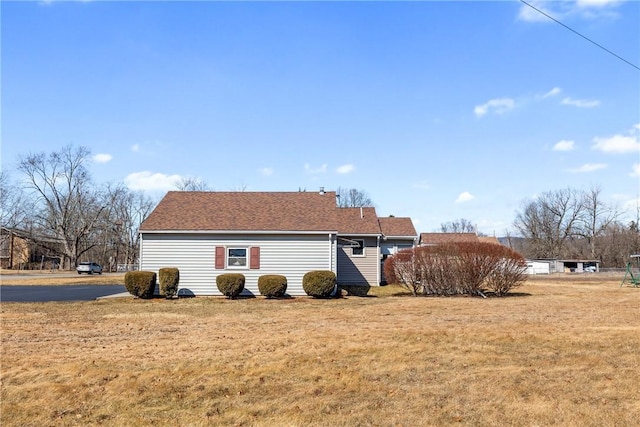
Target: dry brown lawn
column 561, row 351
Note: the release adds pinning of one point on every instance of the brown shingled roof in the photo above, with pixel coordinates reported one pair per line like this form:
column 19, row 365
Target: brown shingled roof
column 356, row 221
column 442, row 238
column 243, row 211
column 397, row 226
column 489, row 239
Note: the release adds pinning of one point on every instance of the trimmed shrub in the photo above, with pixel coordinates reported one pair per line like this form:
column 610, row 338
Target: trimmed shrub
column 319, row 283
column 230, row 284
column 140, row 283
column 272, row 285
column 168, row 278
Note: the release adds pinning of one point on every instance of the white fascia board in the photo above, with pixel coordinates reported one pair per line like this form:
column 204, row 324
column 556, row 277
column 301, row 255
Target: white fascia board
column 358, row 235
column 236, row 232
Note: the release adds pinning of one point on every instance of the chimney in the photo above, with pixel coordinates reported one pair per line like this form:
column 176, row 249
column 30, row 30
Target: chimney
column 361, row 213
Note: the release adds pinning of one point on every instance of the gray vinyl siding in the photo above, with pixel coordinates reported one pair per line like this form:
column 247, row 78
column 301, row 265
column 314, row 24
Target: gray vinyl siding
column 359, row 269
column 194, row 255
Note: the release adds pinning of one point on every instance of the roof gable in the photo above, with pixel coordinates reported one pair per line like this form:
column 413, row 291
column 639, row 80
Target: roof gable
column 243, row 211
column 357, row 221
column 397, row 227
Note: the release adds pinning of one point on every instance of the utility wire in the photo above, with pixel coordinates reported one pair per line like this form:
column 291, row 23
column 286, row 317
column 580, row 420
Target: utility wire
column 584, row 37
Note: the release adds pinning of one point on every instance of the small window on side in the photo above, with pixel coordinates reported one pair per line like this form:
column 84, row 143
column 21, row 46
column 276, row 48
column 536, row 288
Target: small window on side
column 358, row 250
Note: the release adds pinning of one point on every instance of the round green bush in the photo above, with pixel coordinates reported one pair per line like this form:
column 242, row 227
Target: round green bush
column 319, row 283
column 230, row 284
column 168, row 278
column 140, row 283
column 272, row 285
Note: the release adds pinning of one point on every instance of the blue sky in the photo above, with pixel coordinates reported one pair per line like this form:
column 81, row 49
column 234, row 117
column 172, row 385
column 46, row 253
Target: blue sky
column 438, row 110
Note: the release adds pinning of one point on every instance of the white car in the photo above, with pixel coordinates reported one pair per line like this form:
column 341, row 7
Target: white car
column 89, row 268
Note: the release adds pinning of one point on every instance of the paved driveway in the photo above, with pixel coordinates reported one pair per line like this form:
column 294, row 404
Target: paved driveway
column 35, row 293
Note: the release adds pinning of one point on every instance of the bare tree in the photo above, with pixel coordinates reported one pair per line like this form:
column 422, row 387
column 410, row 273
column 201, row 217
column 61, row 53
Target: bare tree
column 68, row 207
column 353, row 198
column 549, row 221
column 596, row 218
column 127, row 210
column 461, row 225
column 192, row 184
column 13, row 204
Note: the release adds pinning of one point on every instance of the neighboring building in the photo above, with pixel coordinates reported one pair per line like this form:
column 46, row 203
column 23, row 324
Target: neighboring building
column 539, row 266
column 548, row 266
column 14, row 249
column 432, row 239
column 577, row 266
column 21, row 249
column 205, row 234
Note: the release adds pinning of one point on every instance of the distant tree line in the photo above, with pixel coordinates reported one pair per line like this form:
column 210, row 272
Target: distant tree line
column 55, row 202
column 57, row 206
column 571, row 223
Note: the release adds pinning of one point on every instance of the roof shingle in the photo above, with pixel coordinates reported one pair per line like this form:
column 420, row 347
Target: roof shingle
column 243, row 211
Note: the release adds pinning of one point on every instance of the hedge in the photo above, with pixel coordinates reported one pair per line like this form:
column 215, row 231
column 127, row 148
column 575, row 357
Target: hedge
column 319, row 283
column 140, row 283
column 169, row 278
column 230, row 284
column 272, row 285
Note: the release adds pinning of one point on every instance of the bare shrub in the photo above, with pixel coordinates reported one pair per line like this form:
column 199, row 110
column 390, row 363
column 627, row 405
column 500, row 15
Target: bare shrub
column 457, row 269
column 509, row 273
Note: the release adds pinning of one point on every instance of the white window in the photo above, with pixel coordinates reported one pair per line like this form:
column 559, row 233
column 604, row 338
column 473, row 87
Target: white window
column 359, row 249
column 236, row 257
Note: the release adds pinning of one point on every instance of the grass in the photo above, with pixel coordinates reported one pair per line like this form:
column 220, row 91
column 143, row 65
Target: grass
column 564, row 350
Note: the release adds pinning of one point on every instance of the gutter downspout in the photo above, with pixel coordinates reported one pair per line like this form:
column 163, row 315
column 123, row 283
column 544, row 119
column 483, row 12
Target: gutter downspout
column 379, row 278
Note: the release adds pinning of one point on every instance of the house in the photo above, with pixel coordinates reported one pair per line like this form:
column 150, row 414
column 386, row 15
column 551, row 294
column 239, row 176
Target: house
column 432, row 239
column 15, row 248
column 205, row 234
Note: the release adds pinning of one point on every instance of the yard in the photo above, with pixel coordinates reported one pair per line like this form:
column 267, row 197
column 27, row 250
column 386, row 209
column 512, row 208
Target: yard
column 563, row 350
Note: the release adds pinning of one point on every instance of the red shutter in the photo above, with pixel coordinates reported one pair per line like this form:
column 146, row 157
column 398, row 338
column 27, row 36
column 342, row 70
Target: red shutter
column 219, row 257
column 254, row 258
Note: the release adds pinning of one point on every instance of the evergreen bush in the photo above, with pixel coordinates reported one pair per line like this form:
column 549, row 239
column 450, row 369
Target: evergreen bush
column 319, row 283
column 230, row 284
column 140, row 283
column 168, row 278
column 272, row 285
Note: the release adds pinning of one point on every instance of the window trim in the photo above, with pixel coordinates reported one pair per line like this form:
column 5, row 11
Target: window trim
column 229, row 265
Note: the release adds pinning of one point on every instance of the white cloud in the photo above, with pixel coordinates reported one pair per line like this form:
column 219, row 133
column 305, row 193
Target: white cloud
column 102, row 158
column 588, row 167
column 585, row 9
column 596, row 3
column 266, row 171
column 564, row 145
column 465, row 197
column 581, row 103
column 146, row 180
column 321, row 169
column 617, row 144
column 635, row 171
column 344, row 169
column 529, row 14
column 553, row 92
column 498, row 106
column 135, row 148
